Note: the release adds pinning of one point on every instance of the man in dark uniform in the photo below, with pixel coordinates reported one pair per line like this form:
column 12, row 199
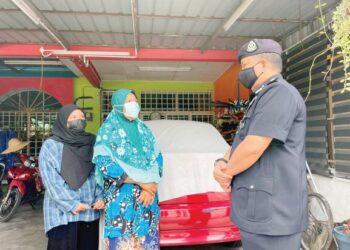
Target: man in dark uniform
column 265, row 168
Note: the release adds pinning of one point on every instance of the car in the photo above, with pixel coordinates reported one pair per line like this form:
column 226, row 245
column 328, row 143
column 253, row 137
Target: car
column 194, row 209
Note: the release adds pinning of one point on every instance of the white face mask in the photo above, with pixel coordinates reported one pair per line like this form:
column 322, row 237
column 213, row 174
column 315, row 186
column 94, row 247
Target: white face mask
column 132, row 109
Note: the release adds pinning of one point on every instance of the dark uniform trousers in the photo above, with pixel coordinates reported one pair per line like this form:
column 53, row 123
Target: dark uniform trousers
column 74, row 236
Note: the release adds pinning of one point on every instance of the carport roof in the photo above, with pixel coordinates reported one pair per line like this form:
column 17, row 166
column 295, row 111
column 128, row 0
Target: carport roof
column 177, row 40
column 187, row 24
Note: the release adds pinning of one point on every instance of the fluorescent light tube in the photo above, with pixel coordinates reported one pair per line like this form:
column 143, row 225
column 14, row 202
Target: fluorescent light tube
column 32, row 62
column 93, row 53
column 89, row 53
column 165, row 69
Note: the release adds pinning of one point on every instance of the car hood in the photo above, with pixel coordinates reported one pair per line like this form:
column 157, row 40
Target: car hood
column 189, row 150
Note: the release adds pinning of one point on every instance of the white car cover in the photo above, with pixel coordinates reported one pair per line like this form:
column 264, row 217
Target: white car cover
column 189, row 150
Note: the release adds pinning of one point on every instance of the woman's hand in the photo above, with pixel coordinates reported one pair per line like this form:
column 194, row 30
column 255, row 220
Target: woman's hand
column 149, row 187
column 146, row 198
column 99, row 205
column 80, row 208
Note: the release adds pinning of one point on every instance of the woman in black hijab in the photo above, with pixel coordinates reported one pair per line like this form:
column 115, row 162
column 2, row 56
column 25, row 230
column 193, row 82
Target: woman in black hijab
column 72, row 198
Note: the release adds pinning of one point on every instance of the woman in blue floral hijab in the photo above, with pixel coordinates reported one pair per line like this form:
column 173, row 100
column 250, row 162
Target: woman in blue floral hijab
column 129, row 168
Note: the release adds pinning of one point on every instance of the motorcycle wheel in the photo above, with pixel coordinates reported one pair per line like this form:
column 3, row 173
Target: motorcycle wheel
column 9, row 205
column 2, row 172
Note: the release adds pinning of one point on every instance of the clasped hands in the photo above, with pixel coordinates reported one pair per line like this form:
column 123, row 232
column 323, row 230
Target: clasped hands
column 148, row 193
column 221, row 176
column 81, row 207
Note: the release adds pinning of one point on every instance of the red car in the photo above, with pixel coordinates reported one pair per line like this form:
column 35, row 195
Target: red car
column 194, row 210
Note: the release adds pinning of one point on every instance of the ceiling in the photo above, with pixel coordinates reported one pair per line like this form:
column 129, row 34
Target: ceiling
column 168, row 24
column 130, row 70
column 161, row 23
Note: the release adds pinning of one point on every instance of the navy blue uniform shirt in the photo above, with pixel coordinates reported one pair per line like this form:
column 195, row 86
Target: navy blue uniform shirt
column 270, row 197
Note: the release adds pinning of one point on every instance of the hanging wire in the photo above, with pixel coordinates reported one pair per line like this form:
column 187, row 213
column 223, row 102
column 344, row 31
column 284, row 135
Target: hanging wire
column 310, row 72
column 41, row 73
column 322, row 18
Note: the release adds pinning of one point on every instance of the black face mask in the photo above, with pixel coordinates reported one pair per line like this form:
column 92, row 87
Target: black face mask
column 248, row 77
column 77, row 125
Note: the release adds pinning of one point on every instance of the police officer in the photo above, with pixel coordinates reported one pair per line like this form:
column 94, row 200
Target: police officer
column 265, row 167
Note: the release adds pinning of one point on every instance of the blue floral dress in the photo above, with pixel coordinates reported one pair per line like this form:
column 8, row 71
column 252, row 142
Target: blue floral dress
column 128, row 225
column 127, row 148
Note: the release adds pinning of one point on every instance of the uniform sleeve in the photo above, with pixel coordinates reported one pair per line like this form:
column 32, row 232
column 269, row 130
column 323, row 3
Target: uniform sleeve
column 274, row 114
column 110, row 169
column 65, row 198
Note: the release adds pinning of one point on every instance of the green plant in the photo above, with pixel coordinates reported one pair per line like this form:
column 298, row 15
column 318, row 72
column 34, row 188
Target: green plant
column 340, row 40
column 341, row 37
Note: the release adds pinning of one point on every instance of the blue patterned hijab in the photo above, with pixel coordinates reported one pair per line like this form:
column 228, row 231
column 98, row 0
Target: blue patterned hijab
column 130, row 144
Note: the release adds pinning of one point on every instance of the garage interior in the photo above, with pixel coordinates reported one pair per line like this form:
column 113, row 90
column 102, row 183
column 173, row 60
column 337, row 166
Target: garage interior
column 180, row 58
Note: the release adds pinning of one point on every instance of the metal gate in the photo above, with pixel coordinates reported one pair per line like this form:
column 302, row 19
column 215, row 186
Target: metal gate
column 31, row 114
column 170, row 105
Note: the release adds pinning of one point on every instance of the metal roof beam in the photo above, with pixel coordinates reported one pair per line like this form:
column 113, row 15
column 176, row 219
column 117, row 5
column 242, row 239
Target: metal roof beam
column 116, row 14
column 135, row 24
column 269, row 20
column 145, row 54
column 131, row 34
column 88, row 70
column 39, row 19
column 227, row 24
column 195, row 18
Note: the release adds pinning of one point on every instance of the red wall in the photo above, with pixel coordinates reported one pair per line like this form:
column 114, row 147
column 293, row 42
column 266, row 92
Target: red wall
column 60, row 88
column 226, row 86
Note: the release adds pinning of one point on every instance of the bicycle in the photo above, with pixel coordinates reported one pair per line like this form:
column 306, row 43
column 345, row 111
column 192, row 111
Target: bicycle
column 319, row 232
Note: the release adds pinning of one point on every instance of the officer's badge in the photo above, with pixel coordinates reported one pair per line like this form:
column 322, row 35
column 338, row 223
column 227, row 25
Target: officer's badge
column 251, row 47
column 242, row 123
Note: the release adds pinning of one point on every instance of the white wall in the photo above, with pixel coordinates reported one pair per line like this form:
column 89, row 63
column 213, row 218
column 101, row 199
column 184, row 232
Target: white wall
column 337, row 193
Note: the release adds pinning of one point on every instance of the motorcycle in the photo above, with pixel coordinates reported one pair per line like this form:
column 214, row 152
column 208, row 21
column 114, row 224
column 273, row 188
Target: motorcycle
column 25, row 186
column 6, row 161
column 2, row 168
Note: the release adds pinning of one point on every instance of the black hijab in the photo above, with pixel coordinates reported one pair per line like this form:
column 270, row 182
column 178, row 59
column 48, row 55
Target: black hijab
column 77, row 150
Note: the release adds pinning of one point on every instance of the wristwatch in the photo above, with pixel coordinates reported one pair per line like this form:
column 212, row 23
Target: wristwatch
column 220, row 159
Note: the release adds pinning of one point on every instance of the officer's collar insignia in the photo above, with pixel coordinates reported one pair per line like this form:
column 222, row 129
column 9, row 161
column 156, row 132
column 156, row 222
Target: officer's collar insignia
column 251, row 47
